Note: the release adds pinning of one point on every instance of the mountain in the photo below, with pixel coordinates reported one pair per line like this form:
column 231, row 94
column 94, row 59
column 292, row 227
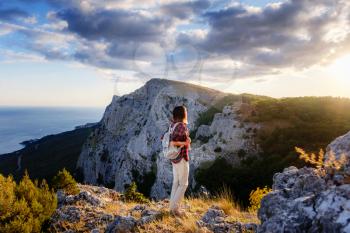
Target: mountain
column 126, row 146
column 239, row 141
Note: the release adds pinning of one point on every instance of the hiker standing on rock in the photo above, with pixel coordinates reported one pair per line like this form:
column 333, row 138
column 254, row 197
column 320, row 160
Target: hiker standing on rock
column 179, row 138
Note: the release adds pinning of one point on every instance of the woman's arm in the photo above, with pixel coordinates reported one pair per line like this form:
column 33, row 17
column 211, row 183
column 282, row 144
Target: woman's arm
column 178, row 143
column 180, row 136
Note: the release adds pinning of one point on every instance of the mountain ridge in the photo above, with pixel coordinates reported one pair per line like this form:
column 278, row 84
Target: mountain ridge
column 253, row 147
column 130, row 131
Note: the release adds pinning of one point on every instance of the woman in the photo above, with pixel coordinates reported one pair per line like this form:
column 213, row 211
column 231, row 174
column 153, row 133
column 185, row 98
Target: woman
column 179, row 137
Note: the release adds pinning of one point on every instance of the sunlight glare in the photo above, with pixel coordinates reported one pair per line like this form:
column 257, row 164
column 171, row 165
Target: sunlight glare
column 340, row 70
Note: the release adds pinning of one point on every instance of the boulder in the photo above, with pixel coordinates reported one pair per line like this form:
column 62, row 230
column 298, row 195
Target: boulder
column 340, row 146
column 203, row 132
column 309, row 199
column 215, row 221
column 122, row 224
column 333, row 210
column 148, row 216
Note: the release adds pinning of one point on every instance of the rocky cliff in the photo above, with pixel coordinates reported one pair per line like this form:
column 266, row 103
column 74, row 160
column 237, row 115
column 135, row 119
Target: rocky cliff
column 126, row 146
column 311, row 200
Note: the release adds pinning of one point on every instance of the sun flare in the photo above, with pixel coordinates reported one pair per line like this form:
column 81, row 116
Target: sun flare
column 341, row 66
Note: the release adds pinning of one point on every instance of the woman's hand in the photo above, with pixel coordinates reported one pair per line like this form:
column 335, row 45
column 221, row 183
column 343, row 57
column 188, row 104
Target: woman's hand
column 178, row 143
column 188, row 141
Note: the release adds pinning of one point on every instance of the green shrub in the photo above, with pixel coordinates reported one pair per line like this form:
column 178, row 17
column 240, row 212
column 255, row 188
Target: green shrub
column 255, row 197
column 144, row 182
column 64, row 180
column 131, row 195
column 25, row 207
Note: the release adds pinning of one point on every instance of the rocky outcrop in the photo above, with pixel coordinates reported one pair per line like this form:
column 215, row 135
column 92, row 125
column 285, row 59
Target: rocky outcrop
column 84, row 211
column 215, row 220
column 308, row 199
column 98, row 209
column 126, row 146
column 340, row 148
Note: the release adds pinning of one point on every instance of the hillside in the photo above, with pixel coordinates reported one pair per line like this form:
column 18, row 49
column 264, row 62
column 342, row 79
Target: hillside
column 239, row 141
column 306, row 122
column 46, row 156
column 126, row 147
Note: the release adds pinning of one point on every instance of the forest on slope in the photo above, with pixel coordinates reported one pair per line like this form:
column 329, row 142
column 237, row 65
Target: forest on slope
column 307, row 122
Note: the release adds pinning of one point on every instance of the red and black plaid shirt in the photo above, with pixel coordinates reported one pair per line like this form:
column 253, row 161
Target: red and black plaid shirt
column 180, row 134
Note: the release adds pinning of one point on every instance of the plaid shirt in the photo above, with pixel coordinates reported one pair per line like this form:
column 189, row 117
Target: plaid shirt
column 180, row 134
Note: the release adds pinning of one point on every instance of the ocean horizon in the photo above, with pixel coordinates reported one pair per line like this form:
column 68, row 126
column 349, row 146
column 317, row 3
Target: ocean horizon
column 18, row 124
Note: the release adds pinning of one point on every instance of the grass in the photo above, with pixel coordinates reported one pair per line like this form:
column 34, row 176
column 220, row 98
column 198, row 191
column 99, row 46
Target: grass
column 113, row 208
column 195, row 209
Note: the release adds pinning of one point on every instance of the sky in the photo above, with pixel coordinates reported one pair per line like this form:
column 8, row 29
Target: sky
column 82, row 52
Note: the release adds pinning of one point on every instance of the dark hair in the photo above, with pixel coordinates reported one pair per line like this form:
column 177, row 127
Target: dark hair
column 179, row 113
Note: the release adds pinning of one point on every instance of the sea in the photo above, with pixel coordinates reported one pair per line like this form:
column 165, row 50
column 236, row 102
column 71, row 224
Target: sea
column 18, row 124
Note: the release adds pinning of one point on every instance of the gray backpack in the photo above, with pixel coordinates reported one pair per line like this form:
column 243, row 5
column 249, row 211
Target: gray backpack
column 170, row 152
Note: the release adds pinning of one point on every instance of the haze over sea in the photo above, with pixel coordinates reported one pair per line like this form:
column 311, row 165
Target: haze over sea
column 18, row 124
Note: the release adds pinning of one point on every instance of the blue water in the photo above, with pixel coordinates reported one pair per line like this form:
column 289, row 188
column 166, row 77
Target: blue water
column 18, row 124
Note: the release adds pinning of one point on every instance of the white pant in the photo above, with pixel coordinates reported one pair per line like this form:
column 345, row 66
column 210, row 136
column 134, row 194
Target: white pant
column 180, row 183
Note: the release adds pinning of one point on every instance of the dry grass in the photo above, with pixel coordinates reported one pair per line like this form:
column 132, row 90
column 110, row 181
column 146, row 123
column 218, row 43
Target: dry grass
column 331, row 164
column 170, row 224
column 235, row 213
column 113, row 208
column 195, row 208
column 121, row 208
column 79, row 226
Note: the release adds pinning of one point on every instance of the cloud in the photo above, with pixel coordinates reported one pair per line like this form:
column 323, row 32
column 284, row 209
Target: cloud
column 30, row 20
column 284, row 35
column 6, row 28
column 8, row 56
column 8, row 14
column 185, row 10
column 227, row 42
column 114, row 25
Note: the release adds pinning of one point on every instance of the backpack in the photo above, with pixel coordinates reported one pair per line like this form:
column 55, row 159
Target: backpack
column 170, row 152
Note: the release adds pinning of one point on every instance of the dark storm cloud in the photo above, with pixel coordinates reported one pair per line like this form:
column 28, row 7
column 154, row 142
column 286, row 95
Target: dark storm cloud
column 184, row 10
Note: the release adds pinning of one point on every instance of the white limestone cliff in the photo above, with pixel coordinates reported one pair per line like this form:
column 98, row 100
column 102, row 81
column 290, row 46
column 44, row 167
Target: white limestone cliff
column 126, row 146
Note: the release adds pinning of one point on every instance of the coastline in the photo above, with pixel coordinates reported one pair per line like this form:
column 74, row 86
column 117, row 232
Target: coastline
column 20, row 127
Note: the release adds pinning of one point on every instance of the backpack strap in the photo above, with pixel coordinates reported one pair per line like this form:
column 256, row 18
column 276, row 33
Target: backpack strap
column 171, row 130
